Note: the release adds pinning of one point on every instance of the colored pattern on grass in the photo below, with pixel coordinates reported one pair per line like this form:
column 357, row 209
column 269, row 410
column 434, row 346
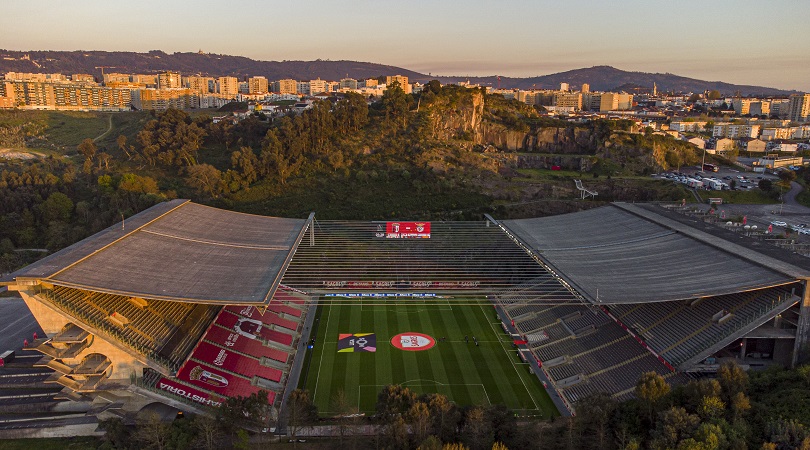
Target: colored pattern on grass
column 469, row 374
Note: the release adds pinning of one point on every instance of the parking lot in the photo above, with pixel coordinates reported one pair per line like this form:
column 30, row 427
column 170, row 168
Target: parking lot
column 724, row 178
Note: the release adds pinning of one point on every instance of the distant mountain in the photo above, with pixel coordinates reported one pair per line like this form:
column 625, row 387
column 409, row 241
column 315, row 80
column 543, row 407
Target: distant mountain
column 607, row 78
column 600, row 78
column 206, row 64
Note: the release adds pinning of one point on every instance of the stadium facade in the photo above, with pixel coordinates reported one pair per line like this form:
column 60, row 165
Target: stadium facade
column 187, row 304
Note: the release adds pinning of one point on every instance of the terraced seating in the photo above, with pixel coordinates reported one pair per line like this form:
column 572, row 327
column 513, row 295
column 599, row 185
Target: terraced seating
column 679, row 330
column 163, row 331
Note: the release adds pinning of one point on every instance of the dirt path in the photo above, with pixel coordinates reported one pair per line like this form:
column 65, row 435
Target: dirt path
column 109, row 128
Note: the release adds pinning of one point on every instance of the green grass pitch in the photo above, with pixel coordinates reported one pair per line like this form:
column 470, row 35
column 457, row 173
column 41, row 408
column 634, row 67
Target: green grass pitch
column 491, row 373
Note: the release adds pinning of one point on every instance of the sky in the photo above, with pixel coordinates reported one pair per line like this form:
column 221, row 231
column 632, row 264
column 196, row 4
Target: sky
column 762, row 42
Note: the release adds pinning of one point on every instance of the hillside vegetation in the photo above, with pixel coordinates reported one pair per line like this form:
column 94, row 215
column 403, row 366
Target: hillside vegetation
column 450, row 153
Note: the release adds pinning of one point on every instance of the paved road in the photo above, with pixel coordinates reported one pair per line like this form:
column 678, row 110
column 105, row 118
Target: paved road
column 16, row 324
column 790, row 196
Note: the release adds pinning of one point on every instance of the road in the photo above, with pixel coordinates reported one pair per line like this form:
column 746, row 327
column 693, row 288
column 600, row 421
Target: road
column 789, row 198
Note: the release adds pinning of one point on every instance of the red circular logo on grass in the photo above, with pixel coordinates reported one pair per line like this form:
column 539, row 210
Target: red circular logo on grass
column 413, row 342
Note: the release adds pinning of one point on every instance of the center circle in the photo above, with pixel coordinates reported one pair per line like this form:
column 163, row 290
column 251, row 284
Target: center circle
column 413, row 342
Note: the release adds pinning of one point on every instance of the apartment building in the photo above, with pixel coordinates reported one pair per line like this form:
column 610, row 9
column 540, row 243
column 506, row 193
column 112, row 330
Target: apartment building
column 257, row 85
column 162, row 99
column 302, row 87
column 317, row 87
column 82, row 78
column 571, row 100
column 286, row 86
column 169, row 80
column 735, row 131
column 146, row 80
column 799, row 107
column 64, row 96
column 348, row 83
column 687, row 127
column 401, row 79
column 38, row 77
column 115, row 78
column 742, row 106
column 370, row 82
column 760, row 108
column 228, row 86
column 199, row 84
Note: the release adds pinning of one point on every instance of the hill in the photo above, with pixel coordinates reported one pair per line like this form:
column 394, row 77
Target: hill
column 599, row 77
column 605, row 78
column 206, row 64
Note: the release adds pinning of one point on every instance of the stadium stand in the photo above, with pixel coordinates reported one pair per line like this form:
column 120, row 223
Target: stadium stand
column 200, row 304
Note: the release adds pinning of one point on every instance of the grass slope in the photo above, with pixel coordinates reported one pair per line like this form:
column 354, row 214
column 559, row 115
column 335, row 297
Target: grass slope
column 491, row 373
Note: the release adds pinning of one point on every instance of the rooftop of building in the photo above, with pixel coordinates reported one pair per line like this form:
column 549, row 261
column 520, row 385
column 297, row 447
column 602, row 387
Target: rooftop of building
column 179, row 251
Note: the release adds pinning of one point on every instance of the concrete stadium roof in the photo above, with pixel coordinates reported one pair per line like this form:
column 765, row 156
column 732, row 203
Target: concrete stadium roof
column 628, row 254
column 180, row 251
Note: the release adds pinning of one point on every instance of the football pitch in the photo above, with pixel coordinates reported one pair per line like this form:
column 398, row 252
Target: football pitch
column 487, row 374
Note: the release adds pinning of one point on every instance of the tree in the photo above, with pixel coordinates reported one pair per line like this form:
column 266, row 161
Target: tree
column 138, row 184
column 732, row 378
column 208, row 432
column 121, row 141
column 206, row 179
column 740, row 404
column 394, row 401
column 595, row 412
column 419, row 419
column 300, row 411
column 455, row 446
column 151, row 431
column 346, row 415
column 765, row 185
column 445, row 416
column 240, row 413
column 116, row 434
column 57, row 207
column 786, row 177
column 477, row 430
column 711, row 407
column 87, row 148
column 396, row 104
column 395, row 434
column 246, row 164
column 650, row 389
column 431, row 443
column 674, row 425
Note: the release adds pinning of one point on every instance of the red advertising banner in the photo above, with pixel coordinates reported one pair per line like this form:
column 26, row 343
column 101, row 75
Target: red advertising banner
column 407, row 230
column 211, row 379
column 401, row 284
column 190, row 393
column 234, row 362
column 242, row 344
column 270, row 318
column 253, row 329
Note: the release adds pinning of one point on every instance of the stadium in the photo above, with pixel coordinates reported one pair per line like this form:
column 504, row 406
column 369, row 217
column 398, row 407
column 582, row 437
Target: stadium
column 187, row 305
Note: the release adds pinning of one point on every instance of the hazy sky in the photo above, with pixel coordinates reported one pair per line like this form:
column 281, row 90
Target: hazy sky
column 762, row 42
